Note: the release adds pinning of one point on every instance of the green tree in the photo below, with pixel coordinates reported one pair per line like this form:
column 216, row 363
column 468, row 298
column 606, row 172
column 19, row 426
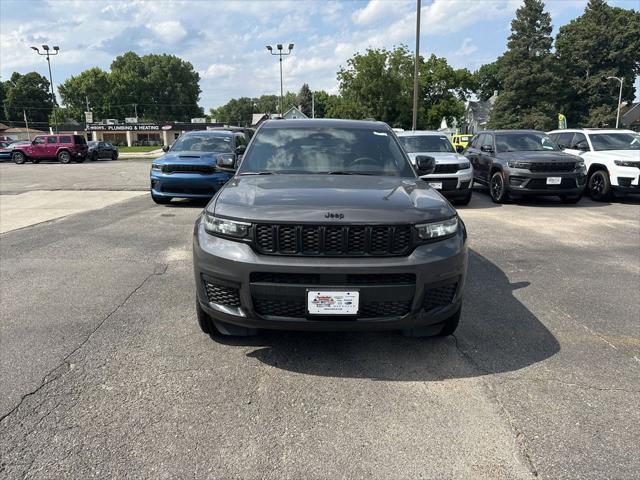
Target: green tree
column 304, row 99
column 527, row 72
column 267, row 104
column 487, row 80
column 29, row 92
column 321, row 99
column 237, row 111
column 604, row 41
column 92, row 84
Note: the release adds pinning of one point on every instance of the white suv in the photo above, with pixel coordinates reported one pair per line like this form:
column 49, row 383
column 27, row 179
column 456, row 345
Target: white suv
column 453, row 175
column 612, row 158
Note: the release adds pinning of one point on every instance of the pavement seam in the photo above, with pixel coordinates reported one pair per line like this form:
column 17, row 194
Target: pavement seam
column 50, row 377
column 520, row 437
column 566, row 384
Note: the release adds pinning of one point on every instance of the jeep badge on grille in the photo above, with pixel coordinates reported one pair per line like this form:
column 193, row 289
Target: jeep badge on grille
column 339, row 216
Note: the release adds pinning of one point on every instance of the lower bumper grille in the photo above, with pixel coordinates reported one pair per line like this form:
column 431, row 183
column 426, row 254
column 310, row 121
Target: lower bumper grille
column 296, row 308
column 440, row 296
column 167, row 188
column 222, row 295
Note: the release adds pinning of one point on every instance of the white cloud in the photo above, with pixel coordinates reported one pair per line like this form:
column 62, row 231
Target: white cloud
column 378, row 10
column 169, row 31
column 218, row 70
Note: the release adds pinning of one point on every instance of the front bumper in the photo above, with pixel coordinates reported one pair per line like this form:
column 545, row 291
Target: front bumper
column 625, row 179
column 240, row 272
column 187, row 185
column 524, row 182
column 454, row 185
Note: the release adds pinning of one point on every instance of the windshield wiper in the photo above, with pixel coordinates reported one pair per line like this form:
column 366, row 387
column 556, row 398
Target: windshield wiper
column 258, row 173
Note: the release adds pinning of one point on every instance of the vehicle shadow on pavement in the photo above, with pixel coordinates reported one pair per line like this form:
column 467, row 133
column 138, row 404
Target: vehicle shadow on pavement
column 497, row 334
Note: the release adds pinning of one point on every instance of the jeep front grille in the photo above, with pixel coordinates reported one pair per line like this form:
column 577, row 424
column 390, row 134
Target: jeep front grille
column 333, row 240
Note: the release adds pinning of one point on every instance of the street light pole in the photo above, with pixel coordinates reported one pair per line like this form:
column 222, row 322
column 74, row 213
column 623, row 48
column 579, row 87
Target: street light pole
column 415, row 70
column 621, row 80
column 280, row 53
column 47, row 53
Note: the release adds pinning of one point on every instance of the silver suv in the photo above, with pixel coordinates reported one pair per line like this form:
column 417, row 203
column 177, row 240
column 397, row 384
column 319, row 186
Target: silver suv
column 453, row 174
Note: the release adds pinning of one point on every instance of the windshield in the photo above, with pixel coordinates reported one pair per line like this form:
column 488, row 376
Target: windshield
column 426, row 143
column 525, row 142
column 615, row 141
column 326, row 150
column 203, row 143
column 92, row 143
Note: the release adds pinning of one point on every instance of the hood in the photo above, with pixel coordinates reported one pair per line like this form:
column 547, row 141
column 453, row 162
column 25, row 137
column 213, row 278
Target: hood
column 538, row 156
column 616, row 154
column 310, row 198
column 440, row 157
column 190, row 158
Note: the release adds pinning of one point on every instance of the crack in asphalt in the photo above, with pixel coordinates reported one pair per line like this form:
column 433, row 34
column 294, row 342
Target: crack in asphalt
column 50, row 377
column 520, row 437
column 566, row 384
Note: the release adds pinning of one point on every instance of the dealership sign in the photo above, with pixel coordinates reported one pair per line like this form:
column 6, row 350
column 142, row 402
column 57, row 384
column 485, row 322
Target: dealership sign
column 123, row 127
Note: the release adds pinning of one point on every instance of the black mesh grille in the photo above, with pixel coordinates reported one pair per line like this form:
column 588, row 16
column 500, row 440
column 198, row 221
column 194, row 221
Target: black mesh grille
column 439, row 296
column 222, row 295
column 333, row 240
column 188, row 169
column 552, row 166
column 357, row 242
column 264, row 238
column 446, row 168
column 464, row 185
column 310, row 239
column 541, row 184
column 385, row 309
column 169, row 188
column 296, row 308
column 280, row 307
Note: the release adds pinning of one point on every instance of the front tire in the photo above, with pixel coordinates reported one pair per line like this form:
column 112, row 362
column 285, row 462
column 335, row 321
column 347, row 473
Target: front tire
column 114, row 156
column 64, row 157
column 599, row 186
column 160, row 200
column 19, row 158
column 94, row 156
column 497, row 188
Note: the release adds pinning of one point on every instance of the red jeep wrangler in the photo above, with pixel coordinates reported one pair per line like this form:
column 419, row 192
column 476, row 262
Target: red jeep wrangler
column 63, row 148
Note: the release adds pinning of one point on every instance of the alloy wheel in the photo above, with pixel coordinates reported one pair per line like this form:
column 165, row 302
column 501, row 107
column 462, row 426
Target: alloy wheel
column 496, row 186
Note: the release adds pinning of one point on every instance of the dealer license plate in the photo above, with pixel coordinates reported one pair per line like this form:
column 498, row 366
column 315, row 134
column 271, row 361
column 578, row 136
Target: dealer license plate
column 436, row 185
column 333, row 302
column 554, row 180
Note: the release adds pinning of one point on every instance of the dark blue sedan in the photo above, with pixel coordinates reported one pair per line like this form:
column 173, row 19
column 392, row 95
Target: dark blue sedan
column 197, row 165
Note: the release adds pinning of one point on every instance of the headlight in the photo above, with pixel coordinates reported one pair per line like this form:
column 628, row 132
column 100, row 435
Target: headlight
column 626, row 163
column 580, row 165
column 431, row 231
column 227, row 228
column 464, row 165
column 517, row 164
column 156, row 168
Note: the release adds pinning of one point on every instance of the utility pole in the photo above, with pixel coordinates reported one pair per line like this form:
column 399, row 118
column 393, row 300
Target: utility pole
column 135, row 108
column 47, row 53
column 313, row 105
column 415, row 70
column 87, row 99
column 280, row 53
column 621, row 80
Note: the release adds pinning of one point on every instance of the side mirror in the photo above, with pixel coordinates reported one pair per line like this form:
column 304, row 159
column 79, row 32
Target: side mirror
column 583, row 147
column 459, row 148
column 426, row 165
column 165, row 148
column 487, row 148
column 240, row 149
column 226, row 162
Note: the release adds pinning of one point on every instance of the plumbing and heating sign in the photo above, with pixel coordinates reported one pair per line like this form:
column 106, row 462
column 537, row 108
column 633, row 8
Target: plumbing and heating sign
column 126, row 127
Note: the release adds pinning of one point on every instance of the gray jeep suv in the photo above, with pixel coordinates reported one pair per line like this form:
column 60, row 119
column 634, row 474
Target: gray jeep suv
column 326, row 225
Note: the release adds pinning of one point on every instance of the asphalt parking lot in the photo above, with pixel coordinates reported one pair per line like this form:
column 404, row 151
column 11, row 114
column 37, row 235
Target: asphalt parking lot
column 105, row 373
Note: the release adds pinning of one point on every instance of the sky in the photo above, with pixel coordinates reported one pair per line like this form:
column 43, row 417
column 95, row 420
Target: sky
column 225, row 39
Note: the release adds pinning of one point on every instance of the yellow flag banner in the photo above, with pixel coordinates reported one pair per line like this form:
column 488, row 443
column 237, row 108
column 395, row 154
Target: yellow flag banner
column 562, row 121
